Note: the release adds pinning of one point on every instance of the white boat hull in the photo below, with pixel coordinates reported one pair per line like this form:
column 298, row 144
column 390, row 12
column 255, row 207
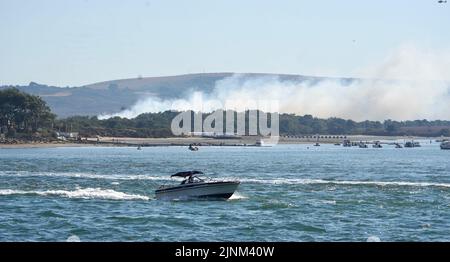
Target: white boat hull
column 445, row 146
column 212, row 190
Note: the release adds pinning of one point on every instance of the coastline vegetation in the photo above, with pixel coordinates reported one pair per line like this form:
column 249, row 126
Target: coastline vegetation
column 25, row 116
column 158, row 125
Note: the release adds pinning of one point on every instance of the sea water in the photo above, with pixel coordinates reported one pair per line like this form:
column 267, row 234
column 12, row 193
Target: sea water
column 288, row 193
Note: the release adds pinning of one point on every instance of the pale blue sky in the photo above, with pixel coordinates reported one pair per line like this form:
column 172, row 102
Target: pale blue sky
column 76, row 42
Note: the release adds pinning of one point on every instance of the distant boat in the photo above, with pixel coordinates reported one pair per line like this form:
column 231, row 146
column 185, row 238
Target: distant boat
column 397, row 145
column 337, row 144
column 362, row 145
column 139, row 148
column 317, row 144
column 377, row 145
column 347, row 143
column 445, row 145
column 193, row 148
column 411, row 144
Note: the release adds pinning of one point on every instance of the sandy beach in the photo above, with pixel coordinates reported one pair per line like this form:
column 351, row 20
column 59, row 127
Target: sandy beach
column 42, row 145
column 185, row 141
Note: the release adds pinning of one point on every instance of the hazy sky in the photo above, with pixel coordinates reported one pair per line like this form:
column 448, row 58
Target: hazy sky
column 76, row 42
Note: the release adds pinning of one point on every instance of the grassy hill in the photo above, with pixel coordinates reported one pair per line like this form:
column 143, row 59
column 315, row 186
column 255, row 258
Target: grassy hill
column 113, row 96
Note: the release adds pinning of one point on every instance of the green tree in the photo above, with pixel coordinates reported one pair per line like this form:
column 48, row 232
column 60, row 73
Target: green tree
column 23, row 112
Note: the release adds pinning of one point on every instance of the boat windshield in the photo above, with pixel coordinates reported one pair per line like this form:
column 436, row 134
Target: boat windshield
column 192, row 179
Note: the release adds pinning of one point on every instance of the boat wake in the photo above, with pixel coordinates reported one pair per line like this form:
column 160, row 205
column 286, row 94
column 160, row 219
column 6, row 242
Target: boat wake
column 237, row 196
column 82, row 175
column 85, row 193
column 344, row 182
column 280, row 181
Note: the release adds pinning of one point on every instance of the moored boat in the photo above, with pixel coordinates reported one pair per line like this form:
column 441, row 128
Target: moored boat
column 377, row 144
column 412, row 144
column 445, row 145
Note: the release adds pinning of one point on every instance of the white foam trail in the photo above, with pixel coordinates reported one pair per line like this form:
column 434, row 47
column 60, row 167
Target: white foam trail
column 86, row 193
column 237, row 196
column 373, row 239
column 84, row 175
column 344, row 182
column 73, row 238
column 281, row 181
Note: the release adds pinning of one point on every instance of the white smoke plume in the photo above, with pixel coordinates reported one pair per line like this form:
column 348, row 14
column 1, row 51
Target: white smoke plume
column 409, row 84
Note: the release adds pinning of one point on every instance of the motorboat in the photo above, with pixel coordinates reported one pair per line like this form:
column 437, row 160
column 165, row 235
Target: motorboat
column 398, row 145
column 445, row 145
column 377, row 144
column 193, row 148
column 347, row 143
column 195, row 187
column 411, row 144
column 362, row 145
column 316, row 144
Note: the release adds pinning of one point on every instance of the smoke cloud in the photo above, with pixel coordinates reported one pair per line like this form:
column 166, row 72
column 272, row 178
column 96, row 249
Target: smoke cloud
column 409, row 84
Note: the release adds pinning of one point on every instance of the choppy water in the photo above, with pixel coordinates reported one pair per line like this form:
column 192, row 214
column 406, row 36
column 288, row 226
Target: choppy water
column 288, row 193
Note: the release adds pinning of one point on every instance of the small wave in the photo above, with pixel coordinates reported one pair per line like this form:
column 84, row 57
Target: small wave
column 86, row 193
column 49, row 213
column 84, row 175
column 73, row 238
column 275, row 204
column 344, row 182
column 373, row 239
column 329, row 202
column 281, row 181
column 237, row 196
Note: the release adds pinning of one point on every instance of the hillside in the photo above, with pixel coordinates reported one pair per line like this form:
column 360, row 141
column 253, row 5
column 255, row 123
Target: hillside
column 112, row 96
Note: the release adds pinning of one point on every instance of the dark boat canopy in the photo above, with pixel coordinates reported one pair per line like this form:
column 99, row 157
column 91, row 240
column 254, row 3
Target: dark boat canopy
column 187, row 173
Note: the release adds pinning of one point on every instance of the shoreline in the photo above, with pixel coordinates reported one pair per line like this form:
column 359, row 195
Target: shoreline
column 199, row 141
column 42, row 145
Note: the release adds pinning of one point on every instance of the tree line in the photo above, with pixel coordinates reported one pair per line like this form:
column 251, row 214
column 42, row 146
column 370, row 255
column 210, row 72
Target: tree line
column 158, row 125
column 22, row 114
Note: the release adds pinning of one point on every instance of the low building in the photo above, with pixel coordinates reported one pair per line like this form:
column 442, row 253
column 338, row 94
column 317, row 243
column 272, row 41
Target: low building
column 66, row 135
